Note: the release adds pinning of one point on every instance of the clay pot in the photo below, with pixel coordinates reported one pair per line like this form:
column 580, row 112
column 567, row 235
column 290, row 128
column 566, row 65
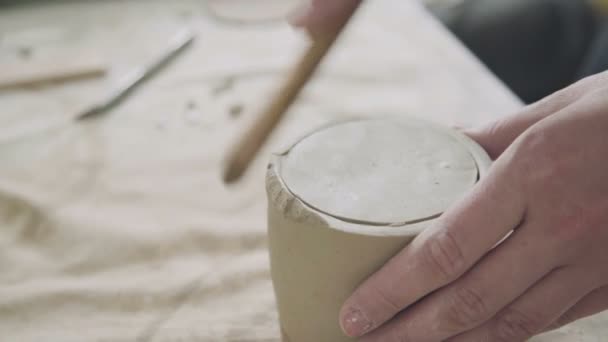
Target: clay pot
column 345, row 199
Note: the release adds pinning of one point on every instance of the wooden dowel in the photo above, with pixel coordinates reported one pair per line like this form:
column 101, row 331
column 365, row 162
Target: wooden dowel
column 246, row 149
column 38, row 74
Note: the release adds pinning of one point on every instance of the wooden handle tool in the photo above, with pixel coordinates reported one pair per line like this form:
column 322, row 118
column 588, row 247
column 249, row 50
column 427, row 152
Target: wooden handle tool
column 245, row 150
column 35, row 74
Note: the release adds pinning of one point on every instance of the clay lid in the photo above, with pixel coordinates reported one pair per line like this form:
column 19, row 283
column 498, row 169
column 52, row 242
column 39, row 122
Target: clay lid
column 382, row 172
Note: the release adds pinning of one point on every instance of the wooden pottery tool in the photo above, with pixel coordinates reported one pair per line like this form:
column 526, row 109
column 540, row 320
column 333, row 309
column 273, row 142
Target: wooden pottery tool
column 245, row 150
column 40, row 73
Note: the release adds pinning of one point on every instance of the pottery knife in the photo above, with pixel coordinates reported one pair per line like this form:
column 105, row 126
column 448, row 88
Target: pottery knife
column 178, row 43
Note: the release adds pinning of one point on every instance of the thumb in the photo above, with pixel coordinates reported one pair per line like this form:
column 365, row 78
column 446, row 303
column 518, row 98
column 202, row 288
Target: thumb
column 496, row 137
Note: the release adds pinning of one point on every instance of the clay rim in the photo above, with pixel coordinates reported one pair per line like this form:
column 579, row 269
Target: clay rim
column 412, row 227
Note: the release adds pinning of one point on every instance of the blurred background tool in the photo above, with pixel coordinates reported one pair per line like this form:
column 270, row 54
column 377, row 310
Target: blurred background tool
column 132, row 80
column 32, row 74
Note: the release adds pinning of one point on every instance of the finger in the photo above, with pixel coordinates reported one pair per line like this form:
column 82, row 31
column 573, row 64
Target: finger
column 322, row 17
column 502, row 276
column 441, row 254
column 591, row 304
column 498, row 135
column 531, row 313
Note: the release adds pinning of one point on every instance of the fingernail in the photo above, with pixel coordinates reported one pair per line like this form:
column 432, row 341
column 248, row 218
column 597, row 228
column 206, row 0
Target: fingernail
column 355, row 324
column 300, row 15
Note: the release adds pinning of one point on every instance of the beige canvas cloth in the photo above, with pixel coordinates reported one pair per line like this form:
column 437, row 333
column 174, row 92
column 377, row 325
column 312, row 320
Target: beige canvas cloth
column 119, row 229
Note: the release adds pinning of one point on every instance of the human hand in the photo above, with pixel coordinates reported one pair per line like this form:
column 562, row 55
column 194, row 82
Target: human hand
column 322, row 16
column 549, row 185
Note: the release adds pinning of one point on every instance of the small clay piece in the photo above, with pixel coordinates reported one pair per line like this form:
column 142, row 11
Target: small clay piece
column 223, row 86
column 236, row 110
column 25, row 52
column 345, row 199
column 191, row 105
column 192, row 114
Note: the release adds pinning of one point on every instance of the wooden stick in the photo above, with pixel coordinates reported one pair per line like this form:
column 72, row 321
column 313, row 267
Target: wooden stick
column 37, row 74
column 248, row 146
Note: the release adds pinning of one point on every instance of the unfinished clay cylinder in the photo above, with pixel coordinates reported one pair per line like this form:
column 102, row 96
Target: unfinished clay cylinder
column 345, row 199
